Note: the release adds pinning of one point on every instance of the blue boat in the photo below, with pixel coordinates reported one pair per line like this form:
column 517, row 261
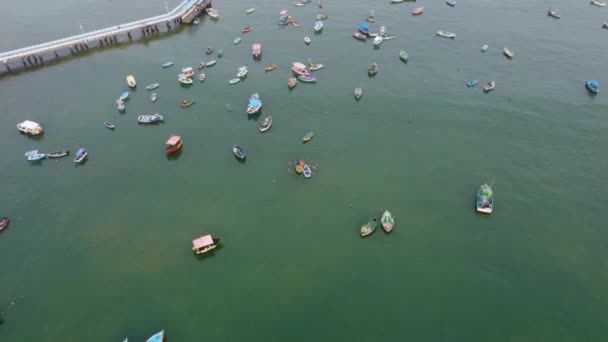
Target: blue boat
column 168, row 65
column 471, row 84
column 158, row 337
column 255, row 104
column 123, row 96
column 364, row 28
column 81, row 155
column 593, row 86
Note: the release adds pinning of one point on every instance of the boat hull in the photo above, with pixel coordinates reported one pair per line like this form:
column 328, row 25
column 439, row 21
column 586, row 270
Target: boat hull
column 174, row 149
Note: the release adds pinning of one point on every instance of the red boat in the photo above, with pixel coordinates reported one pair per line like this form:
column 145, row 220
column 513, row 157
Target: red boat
column 257, row 50
column 174, row 144
column 247, row 29
column 4, row 223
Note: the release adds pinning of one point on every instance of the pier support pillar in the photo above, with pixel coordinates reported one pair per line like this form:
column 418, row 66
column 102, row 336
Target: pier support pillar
column 100, row 42
column 56, row 55
column 86, row 46
column 40, row 59
column 168, row 26
column 23, row 61
column 8, row 68
column 71, row 50
column 115, row 39
column 129, row 35
column 156, row 28
column 143, row 32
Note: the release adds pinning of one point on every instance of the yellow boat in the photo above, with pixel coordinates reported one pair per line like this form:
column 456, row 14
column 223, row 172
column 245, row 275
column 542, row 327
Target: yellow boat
column 270, row 68
column 131, row 81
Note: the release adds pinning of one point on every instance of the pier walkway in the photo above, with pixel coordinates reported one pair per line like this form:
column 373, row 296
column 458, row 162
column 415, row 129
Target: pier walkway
column 185, row 12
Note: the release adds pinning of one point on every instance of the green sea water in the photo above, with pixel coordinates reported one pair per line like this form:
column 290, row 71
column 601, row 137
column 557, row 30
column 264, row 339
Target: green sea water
column 101, row 252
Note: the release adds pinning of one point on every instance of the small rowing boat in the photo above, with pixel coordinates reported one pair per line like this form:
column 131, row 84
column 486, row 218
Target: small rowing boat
column 377, row 41
column 314, row 66
column 554, row 13
column 237, row 40
column 484, row 48
column 167, row 65
column 370, row 227
column 186, row 103
column 418, row 11
column 266, row 124
column 446, row 34
column 81, row 155
column 306, row 171
column 358, row 93
column 220, row 54
column 250, row 10
column 598, row 3
column 34, row 156
column 185, row 80
column 213, row 13
column 508, row 53
column 202, row 77
column 484, row 202
column 109, row 125
column 451, row 3
column 123, row 96
column 58, row 154
column 150, row 119
column 247, row 29
column 152, row 86
column 318, row 26
column 173, row 144
column 593, row 86
column 255, row 104
column 307, row 40
column 270, row 68
column 489, row 87
column 387, row 221
column 471, row 84
column 234, row 81
column 153, row 97
column 403, row 56
column 307, row 137
column 131, row 81
column 239, row 152
column 292, row 82
column 210, row 63
column 4, row 221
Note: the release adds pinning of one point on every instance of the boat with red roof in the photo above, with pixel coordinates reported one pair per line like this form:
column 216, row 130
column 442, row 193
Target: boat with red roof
column 174, row 144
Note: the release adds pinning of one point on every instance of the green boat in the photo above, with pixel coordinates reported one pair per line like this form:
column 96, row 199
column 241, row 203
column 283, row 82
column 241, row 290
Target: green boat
column 307, row 137
column 369, row 227
column 220, row 53
column 485, row 199
column 403, row 55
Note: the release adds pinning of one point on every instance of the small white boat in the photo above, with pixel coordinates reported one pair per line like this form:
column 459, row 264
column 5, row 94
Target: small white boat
column 30, row 128
column 508, row 52
column 109, row 125
column 34, row 156
column 598, row 3
column 484, row 48
column 196, row 21
column 152, row 86
column 81, row 155
column 266, row 124
column 185, row 80
column 210, row 63
column 318, row 26
column 242, row 72
column 306, row 171
column 446, row 34
column 120, row 104
column 213, row 13
column 150, row 119
column 306, row 40
column 382, row 31
column 124, row 95
column 153, row 97
column 202, row 77
column 131, row 81
column 234, row 81
column 378, row 41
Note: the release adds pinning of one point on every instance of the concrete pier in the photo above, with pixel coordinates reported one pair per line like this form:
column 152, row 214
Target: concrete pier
column 183, row 13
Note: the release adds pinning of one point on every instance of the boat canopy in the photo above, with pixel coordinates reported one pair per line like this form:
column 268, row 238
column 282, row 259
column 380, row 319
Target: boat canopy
column 486, row 191
column 30, row 125
column 81, row 151
column 364, row 27
column 298, row 65
column 173, row 140
column 202, row 242
column 595, row 84
column 254, row 102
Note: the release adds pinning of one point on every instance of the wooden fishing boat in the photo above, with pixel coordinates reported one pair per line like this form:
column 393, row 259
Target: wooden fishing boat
column 205, row 244
column 387, row 221
column 124, row 95
column 292, row 82
column 471, row 84
column 167, row 65
column 212, row 13
column 173, row 144
column 158, row 337
column 373, row 69
column 270, row 68
column 370, row 227
column 4, row 221
column 598, row 3
column 307, row 78
column 150, row 119
column 451, row 3
column 446, row 34
column 403, row 55
column 202, row 77
column 237, row 40
column 307, row 137
column 234, row 81
column 484, row 48
column 152, row 86
column 30, row 128
column 318, row 26
column 58, row 154
column 508, row 53
column 201, row 65
column 255, row 104
column 418, row 11
column 81, row 155
column 131, row 81
column 186, row 103
column 489, row 86
column 209, row 50
column 306, row 171
column 34, row 156
column 266, row 124
column 239, row 152
column 109, row 125
column 256, row 50
column 185, row 80
column 299, row 68
column 484, row 202
column 307, row 40
column 153, row 97
column 250, row 10
column 358, row 93
column 593, row 86
column 247, row 29
column 554, row 13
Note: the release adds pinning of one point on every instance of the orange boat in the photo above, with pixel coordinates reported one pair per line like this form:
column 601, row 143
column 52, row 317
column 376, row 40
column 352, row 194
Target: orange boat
column 418, row 11
column 174, row 144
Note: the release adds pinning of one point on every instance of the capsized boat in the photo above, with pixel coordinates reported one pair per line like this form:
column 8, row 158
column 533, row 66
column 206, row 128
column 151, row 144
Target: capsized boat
column 237, row 40
column 446, row 34
column 239, row 152
column 152, row 86
column 307, row 137
column 150, row 119
column 318, row 26
column 109, row 125
column 256, row 50
column 255, row 104
column 370, row 227
column 266, row 124
column 30, row 128
column 307, row 78
column 131, row 81
column 167, row 65
column 373, row 69
column 418, row 11
column 554, row 13
column 205, row 244
column 403, row 55
column 186, row 103
column 387, row 221
column 489, row 86
column 358, row 93
column 158, row 337
column 81, row 155
column 306, row 171
column 593, row 86
column 173, row 144
column 508, row 52
column 4, row 221
column 270, row 68
column 471, row 84
column 292, row 82
column 485, row 199
column 58, row 154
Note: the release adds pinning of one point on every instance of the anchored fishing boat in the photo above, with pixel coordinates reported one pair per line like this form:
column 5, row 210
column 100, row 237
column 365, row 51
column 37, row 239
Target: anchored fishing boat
column 131, row 81
column 239, row 152
column 150, row 119
column 292, row 82
column 34, row 156
column 307, row 137
column 81, row 155
column 403, row 56
column 256, row 50
column 4, row 221
column 58, row 154
column 314, row 66
column 418, row 11
column 593, row 86
column 446, row 34
column 212, row 13
column 167, row 65
column 266, row 124
column 508, row 53
column 153, row 97
column 370, row 227
column 471, row 84
column 173, row 144
column 358, row 93
column 152, row 86
column 489, row 87
column 270, row 68
column 373, row 69
column 307, row 78
column 485, row 199
column 306, row 171
column 255, row 104
column 186, row 103
column 30, row 128
column 554, row 13
column 318, row 26
column 109, row 125
column 387, row 221
column 247, row 29
column 205, row 244
column 299, row 69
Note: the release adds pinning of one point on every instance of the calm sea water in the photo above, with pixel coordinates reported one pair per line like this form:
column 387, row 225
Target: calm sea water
column 102, row 252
